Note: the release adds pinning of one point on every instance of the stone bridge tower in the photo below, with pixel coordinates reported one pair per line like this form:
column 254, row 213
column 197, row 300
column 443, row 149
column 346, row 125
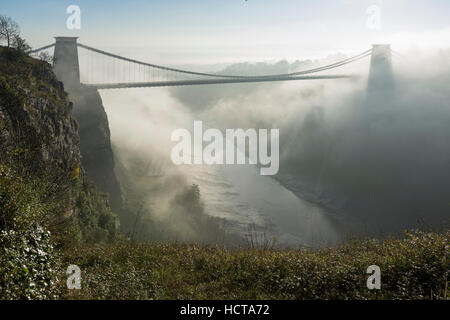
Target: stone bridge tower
column 65, row 61
column 381, row 77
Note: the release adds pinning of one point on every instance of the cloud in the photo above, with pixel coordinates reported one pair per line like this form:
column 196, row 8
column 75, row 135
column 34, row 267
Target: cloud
column 379, row 164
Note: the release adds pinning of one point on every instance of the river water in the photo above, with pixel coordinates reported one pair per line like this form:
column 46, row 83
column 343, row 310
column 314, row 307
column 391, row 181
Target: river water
column 239, row 194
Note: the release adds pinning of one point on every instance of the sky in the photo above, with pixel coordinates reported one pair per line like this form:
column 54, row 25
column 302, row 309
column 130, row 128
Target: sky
column 218, row 31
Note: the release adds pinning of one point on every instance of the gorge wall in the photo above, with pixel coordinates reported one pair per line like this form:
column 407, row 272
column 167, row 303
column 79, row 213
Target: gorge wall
column 97, row 155
column 40, row 144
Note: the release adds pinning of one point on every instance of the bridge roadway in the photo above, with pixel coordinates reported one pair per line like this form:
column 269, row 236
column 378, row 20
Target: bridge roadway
column 214, row 81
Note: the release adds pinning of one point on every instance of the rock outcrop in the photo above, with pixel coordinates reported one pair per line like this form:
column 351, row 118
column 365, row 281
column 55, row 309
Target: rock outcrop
column 97, row 154
column 39, row 143
column 36, row 121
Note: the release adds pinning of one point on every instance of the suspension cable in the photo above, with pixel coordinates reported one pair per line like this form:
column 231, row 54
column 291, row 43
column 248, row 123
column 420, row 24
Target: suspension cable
column 41, row 48
column 327, row 67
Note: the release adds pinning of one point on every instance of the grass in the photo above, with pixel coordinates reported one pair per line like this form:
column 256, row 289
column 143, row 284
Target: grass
column 415, row 267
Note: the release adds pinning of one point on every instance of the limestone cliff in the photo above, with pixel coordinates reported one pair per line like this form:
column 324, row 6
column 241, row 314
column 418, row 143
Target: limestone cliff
column 39, row 142
column 36, row 121
column 97, row 154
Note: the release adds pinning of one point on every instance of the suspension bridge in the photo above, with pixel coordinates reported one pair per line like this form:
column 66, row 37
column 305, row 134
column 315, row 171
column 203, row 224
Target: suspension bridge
column 105, row 70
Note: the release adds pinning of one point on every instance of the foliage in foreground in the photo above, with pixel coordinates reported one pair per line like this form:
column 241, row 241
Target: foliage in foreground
column 27, row 260
column 43, row 187
column 29, row 209
column 415, row 267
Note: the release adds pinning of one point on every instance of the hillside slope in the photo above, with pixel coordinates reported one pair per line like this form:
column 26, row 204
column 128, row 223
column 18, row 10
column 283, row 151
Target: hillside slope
column 44, row 189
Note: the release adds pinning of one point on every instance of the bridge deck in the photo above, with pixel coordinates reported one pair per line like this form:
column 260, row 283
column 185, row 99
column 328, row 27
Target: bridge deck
column 213, row 81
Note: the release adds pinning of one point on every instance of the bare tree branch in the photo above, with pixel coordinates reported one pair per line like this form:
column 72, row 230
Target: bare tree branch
column 9, row 29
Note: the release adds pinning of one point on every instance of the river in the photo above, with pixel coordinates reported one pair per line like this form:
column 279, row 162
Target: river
column 239, row 194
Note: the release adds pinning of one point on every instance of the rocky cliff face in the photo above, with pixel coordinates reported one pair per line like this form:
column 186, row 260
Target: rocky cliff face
column 97, row 154
column 39, row 142
column 36, row 121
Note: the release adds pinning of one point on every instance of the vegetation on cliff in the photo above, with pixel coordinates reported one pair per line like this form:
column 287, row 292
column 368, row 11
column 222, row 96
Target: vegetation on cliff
column 46, row 199
column 27, row 260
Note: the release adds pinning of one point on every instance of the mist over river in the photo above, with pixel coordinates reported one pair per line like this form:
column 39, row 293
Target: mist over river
column 142, row 120
column 349, row 165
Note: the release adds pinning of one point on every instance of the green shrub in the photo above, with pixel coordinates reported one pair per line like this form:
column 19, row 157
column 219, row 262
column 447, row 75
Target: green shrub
column 95, row 219
column 27, row 260
column 415, row 267
column 27, row 264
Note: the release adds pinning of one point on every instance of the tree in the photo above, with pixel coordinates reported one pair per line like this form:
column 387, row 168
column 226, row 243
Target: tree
column 44, row 56
column 9, row 29
column 20, row 44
